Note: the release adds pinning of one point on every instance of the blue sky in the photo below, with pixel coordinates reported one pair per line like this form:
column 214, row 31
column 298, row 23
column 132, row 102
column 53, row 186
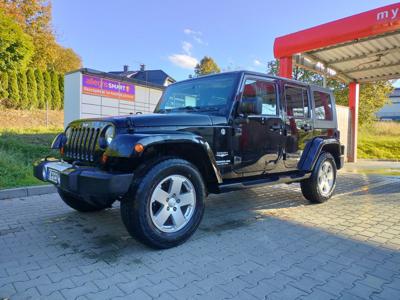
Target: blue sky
column 174, row 35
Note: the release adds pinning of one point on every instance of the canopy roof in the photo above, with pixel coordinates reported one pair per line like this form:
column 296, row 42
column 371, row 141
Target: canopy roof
column 362, row 48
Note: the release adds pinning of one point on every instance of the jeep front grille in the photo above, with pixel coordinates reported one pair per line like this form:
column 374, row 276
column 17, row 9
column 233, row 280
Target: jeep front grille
column 82, row 143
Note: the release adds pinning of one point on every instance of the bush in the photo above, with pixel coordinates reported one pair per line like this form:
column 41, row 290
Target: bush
column 61, row 85
column 23, row 90
column 47, row 89
column 40, row 89
column 55, row 91
column 32, row 88
column 13, row 92
column 3, row 85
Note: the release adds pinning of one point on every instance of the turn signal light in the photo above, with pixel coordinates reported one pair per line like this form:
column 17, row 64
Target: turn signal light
column 139, row 148
column 62, row 150
column 104, row 159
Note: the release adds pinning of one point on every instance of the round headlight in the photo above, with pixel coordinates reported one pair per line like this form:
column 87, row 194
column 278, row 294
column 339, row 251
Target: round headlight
column 109, row 134
column 68, row 132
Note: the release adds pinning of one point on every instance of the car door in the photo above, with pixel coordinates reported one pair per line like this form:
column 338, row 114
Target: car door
column 259, row 145
column 298, row 123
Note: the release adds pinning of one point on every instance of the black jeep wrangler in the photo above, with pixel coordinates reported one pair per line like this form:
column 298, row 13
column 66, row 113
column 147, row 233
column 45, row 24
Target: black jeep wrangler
column 212, row 134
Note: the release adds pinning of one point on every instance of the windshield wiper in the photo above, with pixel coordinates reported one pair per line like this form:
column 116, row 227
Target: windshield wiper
column 209, row 108
column 187, row 108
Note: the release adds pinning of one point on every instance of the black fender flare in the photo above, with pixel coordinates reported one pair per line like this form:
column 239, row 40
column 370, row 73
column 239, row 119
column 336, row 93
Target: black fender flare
column 123, row 145
column 314, row 148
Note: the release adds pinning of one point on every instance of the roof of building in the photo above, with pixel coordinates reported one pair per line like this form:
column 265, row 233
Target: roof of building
column 395, row 93
column 153, row 76
column 117, row 77
column 362, row 47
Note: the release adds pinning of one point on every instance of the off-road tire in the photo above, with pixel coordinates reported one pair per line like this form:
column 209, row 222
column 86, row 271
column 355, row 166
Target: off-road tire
column 310, row 188
column 79, row 204
column 135, row 207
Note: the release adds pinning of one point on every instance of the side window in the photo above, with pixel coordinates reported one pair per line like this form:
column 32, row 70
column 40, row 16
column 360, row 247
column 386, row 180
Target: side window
column 265, row 91
column 323, row 106
column 297, row 102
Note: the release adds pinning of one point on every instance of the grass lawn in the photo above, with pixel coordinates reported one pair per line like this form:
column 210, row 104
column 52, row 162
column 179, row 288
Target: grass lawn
column 380, row 141
column 18, row 149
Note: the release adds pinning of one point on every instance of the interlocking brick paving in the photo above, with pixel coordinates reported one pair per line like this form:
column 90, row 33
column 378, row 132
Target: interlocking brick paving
column 265, row 242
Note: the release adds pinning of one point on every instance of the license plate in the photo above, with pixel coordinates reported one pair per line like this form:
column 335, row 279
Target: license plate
column 53, row 175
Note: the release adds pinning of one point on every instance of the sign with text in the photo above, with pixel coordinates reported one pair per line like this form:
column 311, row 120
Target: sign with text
column 97, row 86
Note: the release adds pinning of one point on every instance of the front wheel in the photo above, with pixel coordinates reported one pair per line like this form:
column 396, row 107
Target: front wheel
column 321, row 185
column 165, row 207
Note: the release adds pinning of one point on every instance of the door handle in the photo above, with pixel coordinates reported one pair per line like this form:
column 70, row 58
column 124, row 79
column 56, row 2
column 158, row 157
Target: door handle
column 306, row 127
column 275, row 127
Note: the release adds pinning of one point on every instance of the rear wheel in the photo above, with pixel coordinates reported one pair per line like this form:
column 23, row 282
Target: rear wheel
column 165, row 207
column 80, row 204
column 321, row 185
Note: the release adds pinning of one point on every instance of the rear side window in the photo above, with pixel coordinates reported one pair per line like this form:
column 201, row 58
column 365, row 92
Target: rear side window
column 296, row 102
column 323, row 106
column 263, row 90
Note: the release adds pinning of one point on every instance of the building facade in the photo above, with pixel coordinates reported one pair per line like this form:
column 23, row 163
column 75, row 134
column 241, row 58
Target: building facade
column 391, row 111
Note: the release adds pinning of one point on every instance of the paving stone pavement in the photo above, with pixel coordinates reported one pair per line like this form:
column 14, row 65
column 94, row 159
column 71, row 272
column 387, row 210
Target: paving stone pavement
column 262, row 243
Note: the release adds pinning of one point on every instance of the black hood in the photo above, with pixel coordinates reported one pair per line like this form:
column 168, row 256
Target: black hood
column 161, row 120
column 181, row 119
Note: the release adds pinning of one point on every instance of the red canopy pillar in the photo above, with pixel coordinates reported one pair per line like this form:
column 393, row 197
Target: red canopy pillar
column 286, row 66
column 354, row 93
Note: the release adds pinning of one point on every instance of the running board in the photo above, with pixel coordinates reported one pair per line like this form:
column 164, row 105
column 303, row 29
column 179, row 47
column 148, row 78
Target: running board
column 270, row 180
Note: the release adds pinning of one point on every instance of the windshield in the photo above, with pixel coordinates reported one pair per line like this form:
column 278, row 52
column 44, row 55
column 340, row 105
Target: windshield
column 209, row 94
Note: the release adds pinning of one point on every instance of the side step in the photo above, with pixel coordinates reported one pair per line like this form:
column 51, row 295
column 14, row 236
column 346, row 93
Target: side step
column 270, row 180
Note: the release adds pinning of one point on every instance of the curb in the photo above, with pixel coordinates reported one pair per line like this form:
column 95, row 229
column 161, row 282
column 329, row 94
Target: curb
column 27, row 191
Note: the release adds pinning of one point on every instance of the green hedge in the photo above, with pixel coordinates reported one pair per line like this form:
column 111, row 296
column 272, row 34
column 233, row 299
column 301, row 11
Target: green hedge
column 32, row 89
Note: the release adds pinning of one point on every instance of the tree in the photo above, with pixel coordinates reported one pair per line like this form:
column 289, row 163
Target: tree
column 34, row 18
column 372, row 95
column 61, row 85
column 66, row 60
column 40, row 89
column 55, row 91
column 23, row 91
column 206, row 66
column 13, row 92
column 3, row 86
column 32, row 88
column 47, row 89
column 16, row 47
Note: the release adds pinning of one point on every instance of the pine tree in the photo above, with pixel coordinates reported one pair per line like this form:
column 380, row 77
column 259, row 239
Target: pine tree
column 32, row 88
column 13, row 92
column 23, row 91
column 61, row 84
column 55, row 91
column 3, row 85
column 47, row 89
column 40, row 89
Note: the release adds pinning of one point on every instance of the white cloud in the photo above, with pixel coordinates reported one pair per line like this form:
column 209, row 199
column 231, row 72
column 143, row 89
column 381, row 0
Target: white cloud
column 257, row 62
column 183, row 60
column 187, row 47
column 196, row 35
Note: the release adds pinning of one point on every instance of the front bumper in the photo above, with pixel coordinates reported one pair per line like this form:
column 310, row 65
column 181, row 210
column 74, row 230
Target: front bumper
column 85, row 181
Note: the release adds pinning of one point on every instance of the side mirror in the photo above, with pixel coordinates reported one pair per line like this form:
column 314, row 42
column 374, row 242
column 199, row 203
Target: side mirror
column 250, row 106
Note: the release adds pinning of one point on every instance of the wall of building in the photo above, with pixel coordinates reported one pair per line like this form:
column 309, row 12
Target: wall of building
column 343, row 118
column 391, row 111
column 89, row 96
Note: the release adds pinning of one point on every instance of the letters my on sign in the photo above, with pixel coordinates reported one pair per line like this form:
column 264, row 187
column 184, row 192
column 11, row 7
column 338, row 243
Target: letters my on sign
column 97, row 86
column 388, row 15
